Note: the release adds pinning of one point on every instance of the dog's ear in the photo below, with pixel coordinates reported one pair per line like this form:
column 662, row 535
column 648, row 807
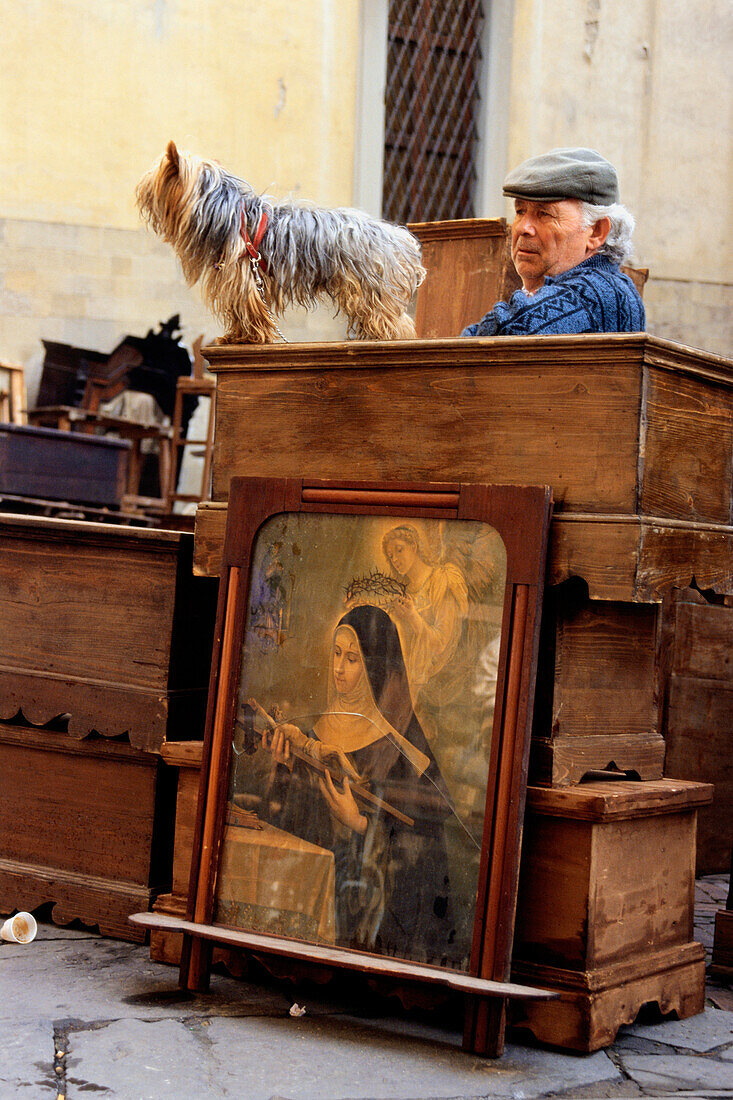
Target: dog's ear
column 172, row 154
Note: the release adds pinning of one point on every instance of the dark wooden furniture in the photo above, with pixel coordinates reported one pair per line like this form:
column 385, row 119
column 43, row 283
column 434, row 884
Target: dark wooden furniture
column 62, row 465
column 75, row 381
column 697, row 651
column 605, row 908
column 106, row 626
column 722, row 962
column 634, row 434
column 68, row 421
column 85, row 826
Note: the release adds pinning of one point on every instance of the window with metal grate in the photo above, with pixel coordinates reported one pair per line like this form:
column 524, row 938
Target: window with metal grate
column 431, row 101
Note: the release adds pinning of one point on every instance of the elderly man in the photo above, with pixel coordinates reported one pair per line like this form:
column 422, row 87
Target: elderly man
column 569, row 236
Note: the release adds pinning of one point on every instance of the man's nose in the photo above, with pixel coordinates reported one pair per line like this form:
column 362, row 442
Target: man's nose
column 525, row 226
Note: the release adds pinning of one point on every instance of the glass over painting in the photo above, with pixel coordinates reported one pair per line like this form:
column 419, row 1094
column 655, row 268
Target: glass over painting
column 362, row 734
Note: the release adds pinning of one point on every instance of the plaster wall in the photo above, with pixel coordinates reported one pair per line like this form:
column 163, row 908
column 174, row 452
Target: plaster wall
column 647, row 84
column 90, row 93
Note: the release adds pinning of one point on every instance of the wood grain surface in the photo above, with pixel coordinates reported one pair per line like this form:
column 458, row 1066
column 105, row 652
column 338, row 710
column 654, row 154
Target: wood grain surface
column 85, row 825
column 105, row 625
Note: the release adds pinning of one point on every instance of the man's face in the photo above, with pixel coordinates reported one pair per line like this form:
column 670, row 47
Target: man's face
column 549, row 238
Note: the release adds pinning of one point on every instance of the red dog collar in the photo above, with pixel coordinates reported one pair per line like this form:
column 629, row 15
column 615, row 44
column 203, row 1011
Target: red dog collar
column 252, row 246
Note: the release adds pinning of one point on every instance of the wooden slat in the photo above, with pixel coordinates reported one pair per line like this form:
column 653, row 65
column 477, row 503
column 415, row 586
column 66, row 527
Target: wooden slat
column 341, row 957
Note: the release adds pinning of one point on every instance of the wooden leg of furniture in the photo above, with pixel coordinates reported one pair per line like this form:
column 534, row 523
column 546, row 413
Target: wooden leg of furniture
column 18, row 403
column 605, row 908
column 183, row 758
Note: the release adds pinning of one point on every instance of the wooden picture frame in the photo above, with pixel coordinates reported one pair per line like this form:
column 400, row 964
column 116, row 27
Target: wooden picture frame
column 357, row 514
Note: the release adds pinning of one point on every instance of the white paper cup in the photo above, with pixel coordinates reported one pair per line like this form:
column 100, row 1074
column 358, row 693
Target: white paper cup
column 21, row 928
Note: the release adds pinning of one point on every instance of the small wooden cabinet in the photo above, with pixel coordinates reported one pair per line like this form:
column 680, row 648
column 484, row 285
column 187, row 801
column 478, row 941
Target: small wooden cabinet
column 605, row 907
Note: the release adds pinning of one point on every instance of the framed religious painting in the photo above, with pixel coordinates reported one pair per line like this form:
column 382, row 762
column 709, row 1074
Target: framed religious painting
column 367, row 739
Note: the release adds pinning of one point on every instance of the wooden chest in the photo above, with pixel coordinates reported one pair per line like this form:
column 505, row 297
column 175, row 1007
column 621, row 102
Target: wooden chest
column 55, row 465
column 605, row 907
column 85, row 827
column 634, row 434
column 105, row 627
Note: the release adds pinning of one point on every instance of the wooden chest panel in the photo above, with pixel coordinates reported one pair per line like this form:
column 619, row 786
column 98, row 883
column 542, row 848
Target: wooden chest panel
column 510, row 424
column 688, row 452
column 77, row 806
column 85, row 826
column 698, row 726
column 57, row 597
column 105, row 625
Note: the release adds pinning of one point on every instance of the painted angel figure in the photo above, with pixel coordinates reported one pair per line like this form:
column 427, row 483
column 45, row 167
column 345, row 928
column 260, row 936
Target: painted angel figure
column 450, row 647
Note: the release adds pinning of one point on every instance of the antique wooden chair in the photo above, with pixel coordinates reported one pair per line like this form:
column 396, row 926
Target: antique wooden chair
column 469, row 268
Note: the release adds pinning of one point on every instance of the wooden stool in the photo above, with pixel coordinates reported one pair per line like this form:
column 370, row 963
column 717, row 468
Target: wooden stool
column 605, row 907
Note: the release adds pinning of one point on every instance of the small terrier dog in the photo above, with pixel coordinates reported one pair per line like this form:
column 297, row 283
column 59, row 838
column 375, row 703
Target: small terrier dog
column 255, row 257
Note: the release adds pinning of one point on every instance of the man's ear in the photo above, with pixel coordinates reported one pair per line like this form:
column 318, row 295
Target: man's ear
column 600, row 231
column 172, row 154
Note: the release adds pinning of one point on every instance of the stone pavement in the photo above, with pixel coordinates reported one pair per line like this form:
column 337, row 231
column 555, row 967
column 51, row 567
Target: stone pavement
column 83, row 1016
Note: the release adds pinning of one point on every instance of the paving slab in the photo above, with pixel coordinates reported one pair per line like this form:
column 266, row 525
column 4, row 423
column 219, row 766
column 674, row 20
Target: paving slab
column 148, row 1060
column 131, row 1033
column 678, row 1073
column 26, row 1058
column 704, row 1032
column 87, row 977
column 310, row 1058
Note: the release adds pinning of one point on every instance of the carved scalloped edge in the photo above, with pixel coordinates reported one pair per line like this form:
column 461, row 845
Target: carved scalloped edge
column 110, row 719
column 72, row 902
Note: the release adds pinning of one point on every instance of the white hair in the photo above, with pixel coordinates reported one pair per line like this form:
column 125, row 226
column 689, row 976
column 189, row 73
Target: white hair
column 617, row 245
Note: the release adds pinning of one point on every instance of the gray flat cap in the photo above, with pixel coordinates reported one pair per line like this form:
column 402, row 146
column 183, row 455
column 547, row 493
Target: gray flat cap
column 565, row 174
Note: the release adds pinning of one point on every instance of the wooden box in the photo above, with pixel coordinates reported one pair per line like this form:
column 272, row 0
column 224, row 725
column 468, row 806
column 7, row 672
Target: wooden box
column 55, row 465
column 84, row 825
column 105, row 626
column 605, row 907
column 634, row 434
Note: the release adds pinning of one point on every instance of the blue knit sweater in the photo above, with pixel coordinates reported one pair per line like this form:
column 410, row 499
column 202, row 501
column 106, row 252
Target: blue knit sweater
column 593, row 297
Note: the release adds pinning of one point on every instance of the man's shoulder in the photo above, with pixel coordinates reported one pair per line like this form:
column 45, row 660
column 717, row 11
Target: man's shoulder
column 597, row 271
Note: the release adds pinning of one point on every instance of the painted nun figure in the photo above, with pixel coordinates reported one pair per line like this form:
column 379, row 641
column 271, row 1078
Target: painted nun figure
column 392, row 892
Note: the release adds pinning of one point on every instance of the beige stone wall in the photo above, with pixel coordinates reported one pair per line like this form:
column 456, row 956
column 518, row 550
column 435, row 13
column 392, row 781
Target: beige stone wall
column 90, row 93
column 648, row 85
